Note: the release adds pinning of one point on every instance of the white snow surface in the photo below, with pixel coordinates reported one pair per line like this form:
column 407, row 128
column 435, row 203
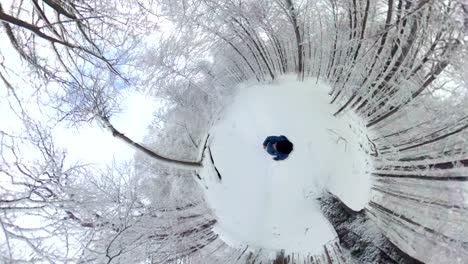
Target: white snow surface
column 271, row 204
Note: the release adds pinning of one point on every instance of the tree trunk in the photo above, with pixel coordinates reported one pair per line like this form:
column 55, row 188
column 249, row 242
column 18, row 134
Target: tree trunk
column 181, row 164
column 293, row 16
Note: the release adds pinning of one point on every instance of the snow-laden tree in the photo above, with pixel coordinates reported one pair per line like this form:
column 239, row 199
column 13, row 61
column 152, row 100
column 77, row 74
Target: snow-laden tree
column 397, row 64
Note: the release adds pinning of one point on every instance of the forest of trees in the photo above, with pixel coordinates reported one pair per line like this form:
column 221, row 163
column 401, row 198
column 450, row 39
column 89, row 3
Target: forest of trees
column 400, row 65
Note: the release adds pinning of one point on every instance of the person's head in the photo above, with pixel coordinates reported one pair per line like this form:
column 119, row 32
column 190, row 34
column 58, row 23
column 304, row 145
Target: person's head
column 284, row 147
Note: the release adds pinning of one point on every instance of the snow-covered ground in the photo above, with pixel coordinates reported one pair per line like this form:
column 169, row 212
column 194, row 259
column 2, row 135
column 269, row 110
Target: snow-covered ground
column 272, row 204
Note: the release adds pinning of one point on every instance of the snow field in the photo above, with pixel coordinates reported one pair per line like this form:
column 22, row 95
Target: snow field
column 272, row 204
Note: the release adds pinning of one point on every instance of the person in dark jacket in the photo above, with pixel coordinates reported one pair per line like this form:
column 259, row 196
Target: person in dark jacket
column 278, row 146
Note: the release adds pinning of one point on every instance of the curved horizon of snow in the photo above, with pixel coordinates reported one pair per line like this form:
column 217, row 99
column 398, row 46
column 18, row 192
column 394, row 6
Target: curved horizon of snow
column 271, row 204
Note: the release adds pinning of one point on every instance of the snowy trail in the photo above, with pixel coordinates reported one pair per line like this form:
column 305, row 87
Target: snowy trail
column 269, row 204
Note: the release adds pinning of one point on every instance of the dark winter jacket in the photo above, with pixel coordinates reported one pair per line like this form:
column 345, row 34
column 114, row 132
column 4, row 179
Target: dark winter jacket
column 269, row 141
